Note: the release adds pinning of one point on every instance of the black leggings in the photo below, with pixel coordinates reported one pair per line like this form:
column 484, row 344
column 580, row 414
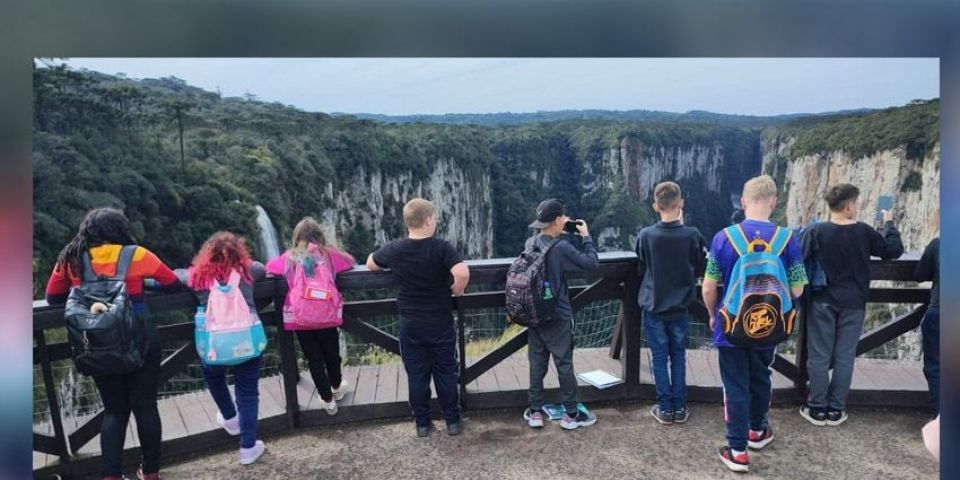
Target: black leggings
column 137, row 393
column 322, row 349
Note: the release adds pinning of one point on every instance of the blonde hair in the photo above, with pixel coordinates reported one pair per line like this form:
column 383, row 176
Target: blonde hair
column 416, row 212
column 667, row 195
column 760, row 188
column 306, row 232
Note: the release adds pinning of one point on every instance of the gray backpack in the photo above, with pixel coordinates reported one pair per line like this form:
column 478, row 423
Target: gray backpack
column 531, row 300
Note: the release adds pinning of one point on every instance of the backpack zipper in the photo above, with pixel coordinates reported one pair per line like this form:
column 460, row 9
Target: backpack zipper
column 86, row 343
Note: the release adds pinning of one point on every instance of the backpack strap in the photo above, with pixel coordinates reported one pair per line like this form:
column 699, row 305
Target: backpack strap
column 88, row 275
column 780, row 240
column 234, row 279
column 737, row 239
column 124, row 261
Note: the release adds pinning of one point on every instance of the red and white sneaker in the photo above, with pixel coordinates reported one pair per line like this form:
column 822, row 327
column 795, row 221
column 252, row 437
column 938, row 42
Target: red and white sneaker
column 756, row 441
column 737, row 463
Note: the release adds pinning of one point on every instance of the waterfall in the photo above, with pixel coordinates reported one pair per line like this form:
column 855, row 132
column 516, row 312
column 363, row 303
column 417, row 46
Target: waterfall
column 269, row 247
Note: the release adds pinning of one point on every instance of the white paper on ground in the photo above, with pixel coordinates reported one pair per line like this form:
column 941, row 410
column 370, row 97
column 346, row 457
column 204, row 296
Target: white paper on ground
column 600, row 379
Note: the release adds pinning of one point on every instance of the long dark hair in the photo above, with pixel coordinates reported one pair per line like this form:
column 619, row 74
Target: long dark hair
column 100, row 226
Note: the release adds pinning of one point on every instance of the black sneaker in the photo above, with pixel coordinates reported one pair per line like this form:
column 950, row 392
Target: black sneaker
column 424, row 431
column 455, row 428
column 836, row 417
column 681, row 415
column 815, row 416
column 662, row 417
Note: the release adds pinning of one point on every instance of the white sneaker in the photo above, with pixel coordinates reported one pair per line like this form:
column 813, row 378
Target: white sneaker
column 339, row 393
column 232, row 426
column 250, row 455
column 534, row 419
column 329, row 407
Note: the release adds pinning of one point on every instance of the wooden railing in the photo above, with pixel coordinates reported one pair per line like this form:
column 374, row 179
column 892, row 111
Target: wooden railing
column 615, row 279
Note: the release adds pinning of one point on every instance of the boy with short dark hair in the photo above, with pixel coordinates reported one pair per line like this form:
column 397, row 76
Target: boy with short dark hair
column 843, row 247
column 669, row 255
column 422, row 265
column 745, row 371
column 555, row 337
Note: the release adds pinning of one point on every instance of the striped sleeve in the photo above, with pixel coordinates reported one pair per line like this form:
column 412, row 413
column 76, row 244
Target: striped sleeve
column 58, row 286
column 147, row 265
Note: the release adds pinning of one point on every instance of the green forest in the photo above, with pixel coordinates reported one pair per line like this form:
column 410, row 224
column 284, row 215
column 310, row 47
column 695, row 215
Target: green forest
column 183, row 162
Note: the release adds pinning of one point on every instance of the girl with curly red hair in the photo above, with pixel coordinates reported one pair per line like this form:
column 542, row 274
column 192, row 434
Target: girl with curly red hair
column 221, row 255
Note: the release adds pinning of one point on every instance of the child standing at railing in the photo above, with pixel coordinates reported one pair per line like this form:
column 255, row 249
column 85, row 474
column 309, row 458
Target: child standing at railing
column 669, row 256
column 842, row 247
column 313, row 306
column 223, row 269
column 422, row 265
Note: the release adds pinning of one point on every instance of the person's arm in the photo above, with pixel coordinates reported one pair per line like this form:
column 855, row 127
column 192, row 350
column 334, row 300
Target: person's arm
column 709, row 291
column 342, row 261
column 58, row 286
column 257, row 271
column 886, row 245
column 809, row 244
column 461, row 277
column 379, row 260
column 700, row 255
column 161, row 273
column 641, row 258
column 277, row 266
column 578, row 261
column 925, row 268
column 796, row 270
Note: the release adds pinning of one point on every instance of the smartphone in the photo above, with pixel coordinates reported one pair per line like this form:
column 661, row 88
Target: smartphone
column 885, row 202
column 571, row 227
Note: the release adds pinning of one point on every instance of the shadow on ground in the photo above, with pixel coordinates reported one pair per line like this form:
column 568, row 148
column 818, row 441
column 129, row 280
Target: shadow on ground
column 625, row 443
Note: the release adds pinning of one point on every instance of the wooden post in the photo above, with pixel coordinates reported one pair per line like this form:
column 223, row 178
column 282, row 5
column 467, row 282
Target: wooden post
column 630, row 360
column 55, row 415
column 288, row 356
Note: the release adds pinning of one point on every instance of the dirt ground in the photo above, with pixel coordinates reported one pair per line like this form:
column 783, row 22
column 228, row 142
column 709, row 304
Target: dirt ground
column 625, row 443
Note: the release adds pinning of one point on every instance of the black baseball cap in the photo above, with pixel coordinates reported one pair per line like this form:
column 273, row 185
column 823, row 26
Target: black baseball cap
column 548, row 211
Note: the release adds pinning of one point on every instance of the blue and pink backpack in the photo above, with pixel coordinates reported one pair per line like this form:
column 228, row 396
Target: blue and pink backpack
column 228, row 331
column 757, row 308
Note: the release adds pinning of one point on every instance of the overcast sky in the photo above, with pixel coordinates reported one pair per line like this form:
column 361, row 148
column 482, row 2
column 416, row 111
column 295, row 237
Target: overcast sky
column 472, row 85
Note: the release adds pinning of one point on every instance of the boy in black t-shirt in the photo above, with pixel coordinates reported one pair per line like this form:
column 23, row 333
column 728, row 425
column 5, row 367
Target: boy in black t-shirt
column 842, row 247
column 422, row 265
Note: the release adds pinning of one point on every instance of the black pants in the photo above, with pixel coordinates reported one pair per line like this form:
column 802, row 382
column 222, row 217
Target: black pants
column 426, row 354
column 322, row 349
column 137, row 393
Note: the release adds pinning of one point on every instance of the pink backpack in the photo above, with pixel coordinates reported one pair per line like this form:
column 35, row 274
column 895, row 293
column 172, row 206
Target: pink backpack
column 228, row 332
column 313, row 303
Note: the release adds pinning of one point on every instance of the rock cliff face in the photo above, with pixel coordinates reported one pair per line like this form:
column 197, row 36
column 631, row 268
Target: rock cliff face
column 914, row 183
column 372, row 204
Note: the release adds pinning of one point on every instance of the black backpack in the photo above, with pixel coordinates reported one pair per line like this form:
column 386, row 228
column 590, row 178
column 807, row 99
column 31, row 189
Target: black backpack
column 528, row 303
column 108, row 341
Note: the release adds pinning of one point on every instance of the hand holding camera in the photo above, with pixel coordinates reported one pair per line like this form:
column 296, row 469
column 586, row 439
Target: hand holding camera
column 577, row 227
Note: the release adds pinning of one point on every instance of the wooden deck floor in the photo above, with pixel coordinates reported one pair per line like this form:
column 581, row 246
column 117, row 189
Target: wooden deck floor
column 380, row 391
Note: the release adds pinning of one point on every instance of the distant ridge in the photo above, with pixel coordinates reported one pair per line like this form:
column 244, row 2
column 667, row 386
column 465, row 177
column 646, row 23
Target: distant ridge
column 510, row 118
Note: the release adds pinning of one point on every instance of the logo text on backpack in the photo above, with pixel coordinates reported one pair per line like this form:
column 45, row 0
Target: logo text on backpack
column 760, row 320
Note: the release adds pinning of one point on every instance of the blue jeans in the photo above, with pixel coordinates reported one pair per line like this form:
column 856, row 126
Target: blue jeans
column 930, row 337
column 747, row 388
column 667, row 339
column 432, row 353
column 246, row 383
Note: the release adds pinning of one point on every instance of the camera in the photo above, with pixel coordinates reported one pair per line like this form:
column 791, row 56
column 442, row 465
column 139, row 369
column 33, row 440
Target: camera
column 571, row 227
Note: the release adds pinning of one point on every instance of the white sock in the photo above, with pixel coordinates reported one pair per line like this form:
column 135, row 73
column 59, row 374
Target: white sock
column 737, row 452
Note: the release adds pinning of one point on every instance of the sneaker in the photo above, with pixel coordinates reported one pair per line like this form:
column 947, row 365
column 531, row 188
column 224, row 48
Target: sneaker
column 329, row 407
column 663, row 418
column 681, row 415
column 836, row 417
column 250, row 455
column 425, row 431
column 534, row 418
column 232, row 426
column 581, row 420
column 813, row 415
column 147, row 476
column 737, row 463
column 341, row 391
column 454, row 429
column 756, row 441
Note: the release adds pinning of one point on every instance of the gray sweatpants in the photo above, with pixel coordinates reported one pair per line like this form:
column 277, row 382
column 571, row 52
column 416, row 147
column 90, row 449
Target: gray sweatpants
column 832, row 336
column 554, row 338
